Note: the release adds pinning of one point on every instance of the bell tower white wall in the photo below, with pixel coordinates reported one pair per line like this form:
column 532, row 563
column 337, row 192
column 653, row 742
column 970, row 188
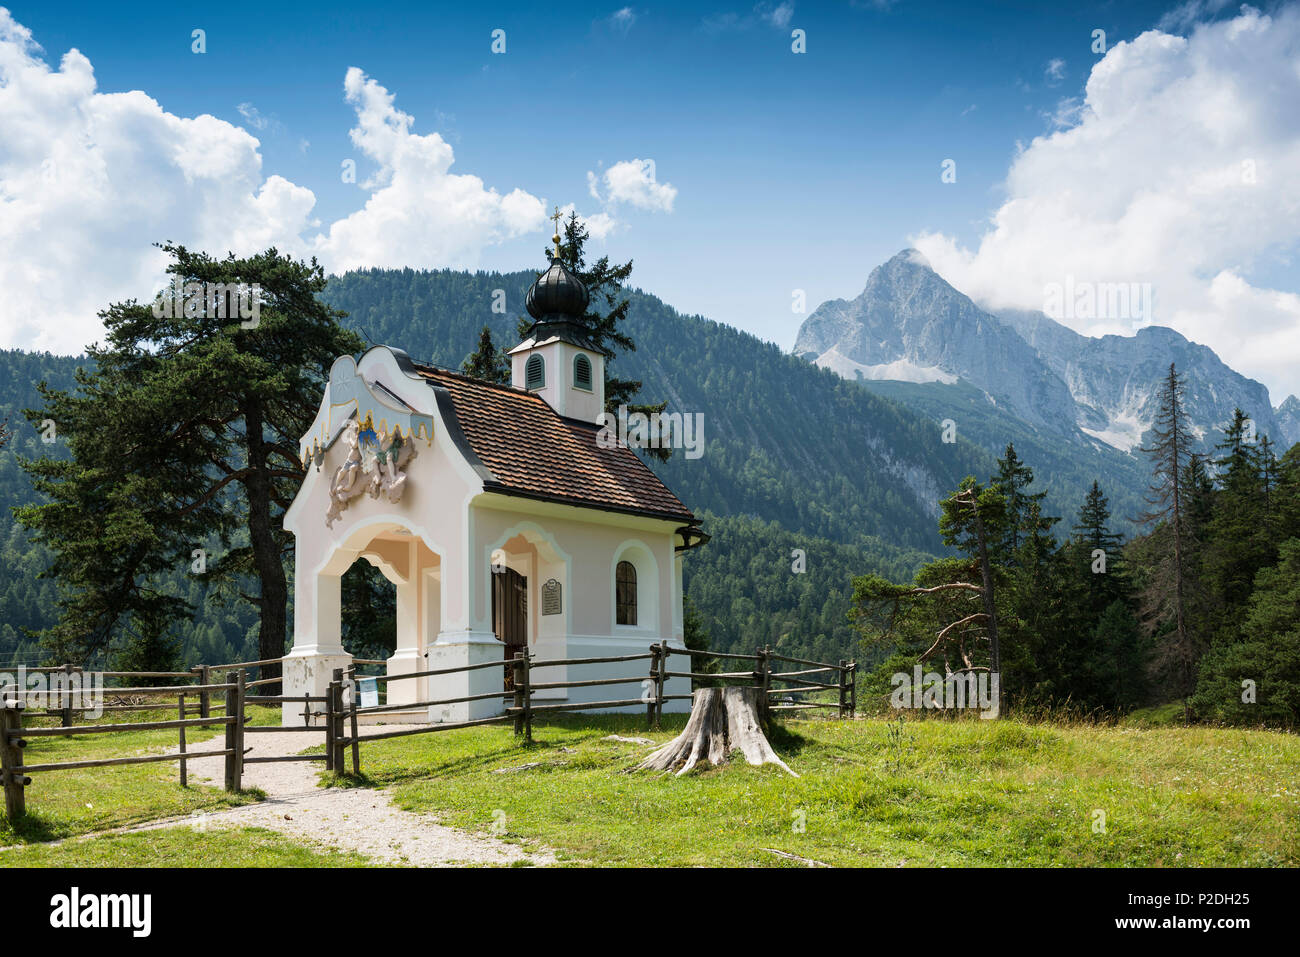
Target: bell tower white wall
column 560, row 389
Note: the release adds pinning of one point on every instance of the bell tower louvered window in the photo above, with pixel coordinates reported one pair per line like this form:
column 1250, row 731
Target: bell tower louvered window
column 535, row 373
column 625, row 593
column 582, row 372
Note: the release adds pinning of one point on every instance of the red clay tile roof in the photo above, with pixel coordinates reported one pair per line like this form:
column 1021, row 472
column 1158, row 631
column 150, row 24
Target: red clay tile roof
column 531, row 450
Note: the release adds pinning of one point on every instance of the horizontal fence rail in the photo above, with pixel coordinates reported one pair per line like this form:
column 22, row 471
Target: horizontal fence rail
column 221, row 704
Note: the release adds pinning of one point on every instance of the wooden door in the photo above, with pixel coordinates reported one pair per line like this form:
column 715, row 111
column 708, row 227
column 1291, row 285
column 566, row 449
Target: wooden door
column 510, row 615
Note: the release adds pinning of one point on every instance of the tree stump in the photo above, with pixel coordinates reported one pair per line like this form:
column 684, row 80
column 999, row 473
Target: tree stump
column 722, row 720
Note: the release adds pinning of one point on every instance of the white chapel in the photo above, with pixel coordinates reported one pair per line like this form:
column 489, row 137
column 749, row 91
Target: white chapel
column 500, row 519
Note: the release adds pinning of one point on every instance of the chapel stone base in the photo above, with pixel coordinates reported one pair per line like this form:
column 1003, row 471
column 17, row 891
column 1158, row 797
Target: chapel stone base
column 456, row 650
column 308, row 674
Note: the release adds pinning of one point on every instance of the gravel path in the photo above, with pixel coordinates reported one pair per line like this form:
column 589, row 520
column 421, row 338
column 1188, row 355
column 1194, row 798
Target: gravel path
column 355, row 819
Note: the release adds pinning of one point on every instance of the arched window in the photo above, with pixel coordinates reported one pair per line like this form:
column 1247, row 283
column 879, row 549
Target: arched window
column 625, row 593
column 582, row 372
column 535, row 373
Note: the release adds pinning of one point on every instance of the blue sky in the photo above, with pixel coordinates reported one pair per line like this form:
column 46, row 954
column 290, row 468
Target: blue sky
column 791, row 171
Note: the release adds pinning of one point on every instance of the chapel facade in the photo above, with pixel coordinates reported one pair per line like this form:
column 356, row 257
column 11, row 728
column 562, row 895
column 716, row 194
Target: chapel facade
column 500, row 519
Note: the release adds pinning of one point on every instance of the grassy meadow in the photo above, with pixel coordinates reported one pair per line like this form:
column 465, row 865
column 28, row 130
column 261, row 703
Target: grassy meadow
column 871, row 792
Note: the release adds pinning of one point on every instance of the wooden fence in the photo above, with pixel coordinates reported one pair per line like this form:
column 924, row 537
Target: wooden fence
column 340, row 710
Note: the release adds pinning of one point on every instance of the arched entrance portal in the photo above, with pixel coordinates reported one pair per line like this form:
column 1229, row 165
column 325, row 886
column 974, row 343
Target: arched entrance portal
column 414, row 568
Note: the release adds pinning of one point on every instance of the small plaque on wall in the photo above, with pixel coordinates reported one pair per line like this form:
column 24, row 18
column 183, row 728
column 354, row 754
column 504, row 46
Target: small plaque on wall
column 551, row 603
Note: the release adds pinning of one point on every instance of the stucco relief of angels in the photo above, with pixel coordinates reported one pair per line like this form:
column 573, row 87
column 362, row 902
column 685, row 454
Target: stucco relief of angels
column 375, row 463
column 391, row 452
column 348, row 481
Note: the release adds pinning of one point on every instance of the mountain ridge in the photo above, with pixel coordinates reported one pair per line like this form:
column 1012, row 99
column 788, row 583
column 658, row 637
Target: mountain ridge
column 909, row 321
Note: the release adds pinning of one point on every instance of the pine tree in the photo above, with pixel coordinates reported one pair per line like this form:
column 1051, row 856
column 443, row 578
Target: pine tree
column 1165, row 597
column 487, row 362
column 949, row 613
column 183, row 437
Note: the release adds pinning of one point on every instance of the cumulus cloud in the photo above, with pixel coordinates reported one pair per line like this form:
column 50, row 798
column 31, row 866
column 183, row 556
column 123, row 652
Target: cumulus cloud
column 419, row 214
column 632, row 182
column 89, row 180
column 1177, row 168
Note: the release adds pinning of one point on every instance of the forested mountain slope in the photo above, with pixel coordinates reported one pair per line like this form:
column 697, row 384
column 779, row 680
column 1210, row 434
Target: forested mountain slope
column 785, row 441
column 795, row 458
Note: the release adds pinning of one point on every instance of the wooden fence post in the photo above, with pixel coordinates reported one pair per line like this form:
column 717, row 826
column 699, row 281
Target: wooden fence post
column 517, row 678
column 329, row 727
column 765, row 663
column 205, row 699
column 180, row 711
column 340, row 753
column 659, row 683
column 650, row 722
column 853, row 689
column 352, row 711
column 528, row 699
column 843, row 686
column 232, row 766
column 11, row 759
column 65, row 698
column 240, row 720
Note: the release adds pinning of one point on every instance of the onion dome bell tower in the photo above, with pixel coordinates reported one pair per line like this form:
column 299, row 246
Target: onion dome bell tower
column 557, row 358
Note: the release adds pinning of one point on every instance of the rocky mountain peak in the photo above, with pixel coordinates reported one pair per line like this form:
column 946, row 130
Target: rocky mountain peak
column 910, row 324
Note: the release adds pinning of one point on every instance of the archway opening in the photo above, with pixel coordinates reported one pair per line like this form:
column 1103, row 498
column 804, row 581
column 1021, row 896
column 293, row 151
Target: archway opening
column 369, row 614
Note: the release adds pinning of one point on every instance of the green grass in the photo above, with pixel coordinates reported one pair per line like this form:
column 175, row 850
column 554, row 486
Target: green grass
column 1169, row 715
column 923, row 793
column 62, row 804
column 873, row 792
column 182, row 847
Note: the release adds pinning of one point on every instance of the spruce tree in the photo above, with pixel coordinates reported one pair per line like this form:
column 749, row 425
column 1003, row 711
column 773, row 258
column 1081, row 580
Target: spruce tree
column 1239, row 535
column 604, row 319
column 1100, row 555
column 1013, row 479
column 487, row 362
column 1117, row 667
column 1253, row 680
column 1164, row 601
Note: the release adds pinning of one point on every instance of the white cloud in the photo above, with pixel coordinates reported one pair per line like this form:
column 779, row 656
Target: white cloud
column 1187, row 15
column 621, row 20
column 89, row 181
column 779, row 16
column 599, row 225
column 1054, row 72
column 774, row 15
column 419, row 214
column 1152, row 182
column 632, row 182
column 253, row 116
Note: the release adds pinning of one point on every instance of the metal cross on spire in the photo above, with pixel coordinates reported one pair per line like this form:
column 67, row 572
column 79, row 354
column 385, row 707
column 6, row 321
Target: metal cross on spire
column 555, row 217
